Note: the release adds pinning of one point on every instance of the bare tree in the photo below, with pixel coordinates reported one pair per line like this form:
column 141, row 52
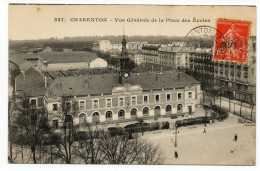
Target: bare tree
column 149, row 154
column 122, row 150
column 213, row 93
column 118, row 149
column 11, row 129
column 65, row 137
column 87, row 147
column 32, row 123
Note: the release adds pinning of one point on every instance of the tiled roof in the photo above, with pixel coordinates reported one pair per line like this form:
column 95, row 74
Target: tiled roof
column 26, row 65
column 97, row 84
column 145, row 67
column 55, row 57
column 176, row 49
column 31, row 83
column 68, row 57
column 150, row 47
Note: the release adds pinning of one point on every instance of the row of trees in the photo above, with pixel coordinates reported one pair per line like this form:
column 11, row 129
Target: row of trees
column 31, row 139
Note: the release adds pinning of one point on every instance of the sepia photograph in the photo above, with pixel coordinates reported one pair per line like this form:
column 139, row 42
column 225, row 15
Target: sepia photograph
column 132, row 84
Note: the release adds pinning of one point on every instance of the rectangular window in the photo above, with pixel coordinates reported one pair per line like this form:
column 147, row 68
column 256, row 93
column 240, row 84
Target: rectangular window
column 157, row 98
column 55, row 124
column 190, row 95
column 168, row 96
column 145, row 99
column 33, row 102
column 95, row 103
column 121, row 101
column 68, row 106
column 133, row 100
column 82, row 105
column 55, row 107
column 178, row 61
column 109, row 103
column 179, row 96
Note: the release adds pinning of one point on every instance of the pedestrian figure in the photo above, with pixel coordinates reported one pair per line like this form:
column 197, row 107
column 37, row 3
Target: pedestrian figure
column 204, row 130
column 176, row 154
column 235, row 138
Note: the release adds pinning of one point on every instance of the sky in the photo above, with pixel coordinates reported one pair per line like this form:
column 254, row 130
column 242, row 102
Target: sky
column 38, row 21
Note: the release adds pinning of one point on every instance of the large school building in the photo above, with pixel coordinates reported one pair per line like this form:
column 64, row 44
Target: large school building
column 117, row 98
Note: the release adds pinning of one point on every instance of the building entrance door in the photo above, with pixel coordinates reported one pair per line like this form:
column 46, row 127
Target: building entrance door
column 95, row 118
column 190, row 109
column 157, row 111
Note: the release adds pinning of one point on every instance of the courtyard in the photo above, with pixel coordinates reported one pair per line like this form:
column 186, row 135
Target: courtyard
column 215, row 147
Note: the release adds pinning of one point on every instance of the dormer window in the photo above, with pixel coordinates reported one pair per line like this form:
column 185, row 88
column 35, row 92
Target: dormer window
column 55, row 107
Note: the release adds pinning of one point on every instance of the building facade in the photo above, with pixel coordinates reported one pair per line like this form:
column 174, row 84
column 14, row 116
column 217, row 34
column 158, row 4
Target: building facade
column 176, row 57
column 201, row 66
column 104, row 45
column 113, row 99
column 150, row 53
column 103, row 100
column 136, row 45
column 235, row 79
column 136, row 56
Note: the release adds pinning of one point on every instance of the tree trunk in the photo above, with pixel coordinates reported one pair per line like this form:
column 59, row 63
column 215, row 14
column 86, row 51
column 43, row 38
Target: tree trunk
column 11, row 152
column 51, row 155
column 252, row 112
column 229, row 104
column 34, row 155
column 22, row 153
column 234, row 108
column 40, row 153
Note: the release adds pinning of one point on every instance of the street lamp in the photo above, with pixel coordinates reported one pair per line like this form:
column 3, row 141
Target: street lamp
column 206, row 113
column 176, row 126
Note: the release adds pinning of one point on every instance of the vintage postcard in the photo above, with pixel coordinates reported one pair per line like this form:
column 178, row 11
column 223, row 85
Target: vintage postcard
column 132, row 84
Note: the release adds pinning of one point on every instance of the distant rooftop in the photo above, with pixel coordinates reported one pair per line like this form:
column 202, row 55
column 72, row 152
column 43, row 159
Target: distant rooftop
column 54, row 57
column 97, row 84
column 151, row 47
column 31, row 83
column 145, row 67
column 67, row 57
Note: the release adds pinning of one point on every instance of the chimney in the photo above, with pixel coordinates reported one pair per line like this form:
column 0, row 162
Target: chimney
column 179, row 73
column 23, row 74
column 161, row 68
column 152, row 67
column 86, row 84
column 45, row 81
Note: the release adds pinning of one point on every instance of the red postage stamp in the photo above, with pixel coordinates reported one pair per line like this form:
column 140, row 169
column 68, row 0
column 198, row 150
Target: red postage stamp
column 232, row 40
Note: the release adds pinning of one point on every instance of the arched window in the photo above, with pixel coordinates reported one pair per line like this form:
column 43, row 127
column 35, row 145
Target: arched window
column 179, row 107
column 133, row 111
column 108, row 114
column 121, row 113
column 157, row 108
column 145, row 111
column 168, row 108
column 82, row 118
column 95, row 114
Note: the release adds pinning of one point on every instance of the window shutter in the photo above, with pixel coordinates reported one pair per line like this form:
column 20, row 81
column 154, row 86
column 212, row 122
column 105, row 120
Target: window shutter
column 75, row 105
column 40, row 102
